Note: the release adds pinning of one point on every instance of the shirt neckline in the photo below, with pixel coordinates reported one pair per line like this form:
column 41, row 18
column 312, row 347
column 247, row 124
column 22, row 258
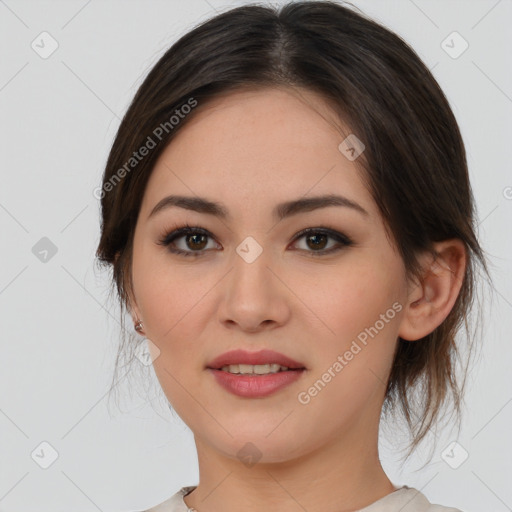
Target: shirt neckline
column 184, row 491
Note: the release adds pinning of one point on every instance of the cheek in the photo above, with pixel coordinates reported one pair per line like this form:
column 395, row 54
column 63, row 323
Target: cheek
column 353, row 297
column 169, row 300
column 168, row 294
column 351, row 364
column 359, row 306
column 173, row 303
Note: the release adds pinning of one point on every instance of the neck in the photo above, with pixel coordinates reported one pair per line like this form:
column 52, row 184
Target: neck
column 343, row 474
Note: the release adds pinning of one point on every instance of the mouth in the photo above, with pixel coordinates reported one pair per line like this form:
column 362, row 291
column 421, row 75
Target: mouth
column 255, row 374
column 255, row 385
column 254, row 363
column 254, row 370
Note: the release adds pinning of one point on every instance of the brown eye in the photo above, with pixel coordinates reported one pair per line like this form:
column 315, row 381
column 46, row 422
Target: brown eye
column 316, row 241
column 195, row 241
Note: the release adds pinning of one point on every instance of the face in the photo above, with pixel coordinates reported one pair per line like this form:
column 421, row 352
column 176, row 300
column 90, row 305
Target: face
column 330, row 299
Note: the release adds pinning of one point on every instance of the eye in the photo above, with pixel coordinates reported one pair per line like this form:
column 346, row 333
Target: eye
column 317, row 238
column 195, row 238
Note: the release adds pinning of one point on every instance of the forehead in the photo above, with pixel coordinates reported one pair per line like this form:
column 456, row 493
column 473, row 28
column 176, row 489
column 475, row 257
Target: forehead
column 260, row 146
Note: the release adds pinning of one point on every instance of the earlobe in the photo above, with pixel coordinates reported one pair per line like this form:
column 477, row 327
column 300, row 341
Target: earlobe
column 131, row 304
column 136, row 318
column 431, row 298
column 133, row 309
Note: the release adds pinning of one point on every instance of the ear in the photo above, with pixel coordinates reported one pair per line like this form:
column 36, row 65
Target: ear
column 432, row 297
column 133, row 310
column 135, row 314
column 131, row 302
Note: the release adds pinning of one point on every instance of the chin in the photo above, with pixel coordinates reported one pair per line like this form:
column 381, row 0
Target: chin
column 259, row 447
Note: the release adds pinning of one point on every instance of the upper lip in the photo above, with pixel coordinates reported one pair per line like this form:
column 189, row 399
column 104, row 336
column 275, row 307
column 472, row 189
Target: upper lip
column 261, row 357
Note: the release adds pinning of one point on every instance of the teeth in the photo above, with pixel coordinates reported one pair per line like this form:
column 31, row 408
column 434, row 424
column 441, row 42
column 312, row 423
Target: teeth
column 258, row 369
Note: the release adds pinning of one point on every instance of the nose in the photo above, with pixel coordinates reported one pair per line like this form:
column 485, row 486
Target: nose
column 254, row 297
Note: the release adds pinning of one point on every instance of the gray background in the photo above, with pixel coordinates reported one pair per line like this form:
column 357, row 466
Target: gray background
column 59, row 331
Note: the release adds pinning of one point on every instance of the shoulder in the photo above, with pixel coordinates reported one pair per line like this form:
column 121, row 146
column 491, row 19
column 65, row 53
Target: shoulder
column 406, row 499
column 413, row 500
column 175, row 503
column 440, row 508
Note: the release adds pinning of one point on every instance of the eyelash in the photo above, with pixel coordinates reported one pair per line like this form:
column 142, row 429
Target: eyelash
column 169, row 237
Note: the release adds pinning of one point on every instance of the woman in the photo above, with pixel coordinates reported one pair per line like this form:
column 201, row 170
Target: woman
column 287, row 210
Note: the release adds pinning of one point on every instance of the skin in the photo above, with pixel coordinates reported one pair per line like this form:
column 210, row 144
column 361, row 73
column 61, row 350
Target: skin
column 251, row 150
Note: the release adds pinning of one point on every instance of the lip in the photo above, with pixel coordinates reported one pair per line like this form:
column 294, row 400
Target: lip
column 255, row 386
column 260, row 357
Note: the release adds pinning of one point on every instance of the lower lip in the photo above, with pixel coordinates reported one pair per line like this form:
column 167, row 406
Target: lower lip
column 255, row 386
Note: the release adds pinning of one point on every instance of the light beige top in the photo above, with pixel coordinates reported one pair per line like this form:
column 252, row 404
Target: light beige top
column 404, row 499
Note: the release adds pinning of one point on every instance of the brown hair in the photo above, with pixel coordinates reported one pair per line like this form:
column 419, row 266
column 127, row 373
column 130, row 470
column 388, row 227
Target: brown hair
column 414, row 163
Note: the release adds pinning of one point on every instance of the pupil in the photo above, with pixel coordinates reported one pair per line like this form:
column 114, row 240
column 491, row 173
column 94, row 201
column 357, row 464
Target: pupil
column 193, row 237
column 317, row 236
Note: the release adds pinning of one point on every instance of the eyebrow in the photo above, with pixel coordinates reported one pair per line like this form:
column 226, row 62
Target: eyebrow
column 282, row 210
